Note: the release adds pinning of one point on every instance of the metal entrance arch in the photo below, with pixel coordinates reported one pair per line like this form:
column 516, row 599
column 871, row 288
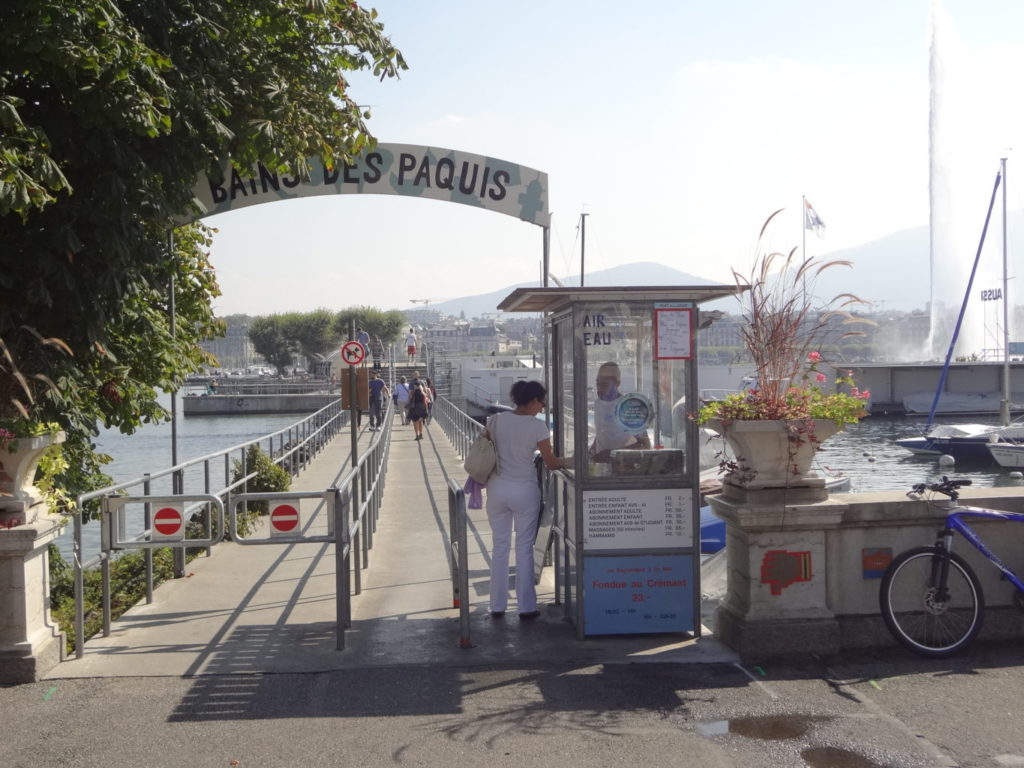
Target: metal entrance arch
column 408, row 170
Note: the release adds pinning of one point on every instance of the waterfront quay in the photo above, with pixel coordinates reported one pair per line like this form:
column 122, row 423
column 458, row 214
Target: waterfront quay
column 235, row 664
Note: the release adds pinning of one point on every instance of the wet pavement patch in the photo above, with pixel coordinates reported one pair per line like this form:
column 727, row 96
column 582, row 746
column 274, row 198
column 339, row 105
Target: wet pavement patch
column 768, row 728
column 835, row 757
column 788, row 728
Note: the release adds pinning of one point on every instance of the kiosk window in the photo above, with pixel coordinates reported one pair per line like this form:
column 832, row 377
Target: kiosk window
column 637, row 419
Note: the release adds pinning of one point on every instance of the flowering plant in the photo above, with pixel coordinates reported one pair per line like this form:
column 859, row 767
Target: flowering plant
column 783, row 331
column 796, row 402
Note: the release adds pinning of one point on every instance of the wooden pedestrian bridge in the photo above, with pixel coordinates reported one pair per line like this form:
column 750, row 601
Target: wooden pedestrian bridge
column 390, row 590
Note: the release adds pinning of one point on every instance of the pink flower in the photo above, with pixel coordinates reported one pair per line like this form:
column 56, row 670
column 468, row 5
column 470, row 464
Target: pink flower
column 814, row 357
column 865, row 395
column 820, row 377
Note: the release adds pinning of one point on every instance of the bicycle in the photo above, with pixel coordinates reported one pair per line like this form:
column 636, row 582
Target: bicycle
column 930, row 597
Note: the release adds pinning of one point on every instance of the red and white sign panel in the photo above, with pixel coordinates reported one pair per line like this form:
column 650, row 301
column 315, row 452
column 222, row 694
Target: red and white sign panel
column 352, row 352
column 284, row 519
column 169, row 523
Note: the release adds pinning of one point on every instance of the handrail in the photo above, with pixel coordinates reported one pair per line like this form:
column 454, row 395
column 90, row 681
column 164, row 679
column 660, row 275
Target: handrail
column 458, row 558
column 460, row 428
column 296, row 445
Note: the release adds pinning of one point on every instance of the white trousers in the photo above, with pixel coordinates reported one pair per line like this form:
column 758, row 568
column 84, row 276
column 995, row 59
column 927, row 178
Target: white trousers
column 513, row 506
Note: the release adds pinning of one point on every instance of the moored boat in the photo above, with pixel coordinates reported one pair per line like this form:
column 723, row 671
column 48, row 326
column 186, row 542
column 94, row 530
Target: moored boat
column 962, row 441
column 1008, row 455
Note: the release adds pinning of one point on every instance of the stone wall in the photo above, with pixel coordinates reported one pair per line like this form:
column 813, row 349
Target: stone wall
column 805, row 577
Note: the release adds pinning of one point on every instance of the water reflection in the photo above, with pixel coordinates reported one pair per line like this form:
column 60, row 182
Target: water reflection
column 865, row 452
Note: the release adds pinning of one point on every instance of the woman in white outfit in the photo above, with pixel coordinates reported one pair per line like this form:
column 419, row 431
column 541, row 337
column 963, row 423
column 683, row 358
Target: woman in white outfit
column 513, row 496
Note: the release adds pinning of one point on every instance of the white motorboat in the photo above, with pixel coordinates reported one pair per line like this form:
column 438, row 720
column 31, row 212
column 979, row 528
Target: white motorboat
column 1008, row 455
column 961, row 441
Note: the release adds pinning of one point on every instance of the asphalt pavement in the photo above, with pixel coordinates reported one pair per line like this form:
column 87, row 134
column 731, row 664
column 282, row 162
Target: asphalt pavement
column 236, row 665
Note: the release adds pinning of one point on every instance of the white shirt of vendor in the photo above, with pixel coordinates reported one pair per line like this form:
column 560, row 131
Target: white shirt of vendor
column 610, row 434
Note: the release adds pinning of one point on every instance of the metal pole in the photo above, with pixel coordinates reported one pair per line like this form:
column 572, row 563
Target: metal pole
column 352, row 410
column 803, row 232
column 79, row 587
column 341, row 595
column 179, row 552
column 1004, row 406
column 583, row 245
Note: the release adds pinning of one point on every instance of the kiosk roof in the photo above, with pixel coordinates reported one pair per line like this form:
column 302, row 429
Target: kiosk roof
column 551, row 299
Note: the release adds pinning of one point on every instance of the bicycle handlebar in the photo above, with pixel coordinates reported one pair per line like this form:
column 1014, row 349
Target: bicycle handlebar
column 944, row 486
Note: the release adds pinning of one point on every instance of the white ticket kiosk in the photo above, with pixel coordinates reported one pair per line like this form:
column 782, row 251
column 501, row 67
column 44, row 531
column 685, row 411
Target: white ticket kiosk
column 623, row 385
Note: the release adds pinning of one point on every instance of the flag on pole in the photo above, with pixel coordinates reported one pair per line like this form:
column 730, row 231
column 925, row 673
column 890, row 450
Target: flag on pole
column 812, row 220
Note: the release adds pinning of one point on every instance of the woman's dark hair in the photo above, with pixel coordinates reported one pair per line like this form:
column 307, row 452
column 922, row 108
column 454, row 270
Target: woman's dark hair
column 524, row 392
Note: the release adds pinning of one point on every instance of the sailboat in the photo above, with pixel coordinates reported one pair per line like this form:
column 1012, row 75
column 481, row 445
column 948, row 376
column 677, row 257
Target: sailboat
column 972, row 441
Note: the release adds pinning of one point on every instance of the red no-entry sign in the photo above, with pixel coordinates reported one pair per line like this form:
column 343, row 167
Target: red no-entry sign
column 167, row 523
column 284, row 518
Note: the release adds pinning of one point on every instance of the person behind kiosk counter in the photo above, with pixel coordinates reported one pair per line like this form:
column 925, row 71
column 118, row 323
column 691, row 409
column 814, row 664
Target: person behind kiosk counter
column 513, row 496
column 609, row 434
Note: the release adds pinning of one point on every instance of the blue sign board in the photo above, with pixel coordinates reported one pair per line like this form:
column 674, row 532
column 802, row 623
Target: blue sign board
column 637, row 594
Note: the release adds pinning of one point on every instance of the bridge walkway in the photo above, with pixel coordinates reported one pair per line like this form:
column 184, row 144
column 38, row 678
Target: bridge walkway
column 271, row 609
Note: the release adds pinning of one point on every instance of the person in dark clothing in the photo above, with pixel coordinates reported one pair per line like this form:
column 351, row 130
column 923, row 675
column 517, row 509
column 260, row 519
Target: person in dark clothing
column 418, row 411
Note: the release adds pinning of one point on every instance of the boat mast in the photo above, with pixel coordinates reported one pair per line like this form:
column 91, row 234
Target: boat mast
column 1004, row 405
column 583, row 245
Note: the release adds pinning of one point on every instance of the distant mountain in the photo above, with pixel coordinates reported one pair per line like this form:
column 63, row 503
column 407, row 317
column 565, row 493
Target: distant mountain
column 640, row 273
column 892, row 273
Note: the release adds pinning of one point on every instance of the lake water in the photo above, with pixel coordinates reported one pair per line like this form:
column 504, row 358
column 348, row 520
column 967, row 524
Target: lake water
column 866, row 453
column 149, row 450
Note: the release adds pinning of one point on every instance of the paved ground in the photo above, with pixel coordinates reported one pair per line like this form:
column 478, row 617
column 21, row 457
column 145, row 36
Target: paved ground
column 236, row 665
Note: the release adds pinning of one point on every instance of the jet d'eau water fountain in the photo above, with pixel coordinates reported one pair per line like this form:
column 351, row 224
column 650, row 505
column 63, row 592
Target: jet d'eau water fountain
column 963, row 165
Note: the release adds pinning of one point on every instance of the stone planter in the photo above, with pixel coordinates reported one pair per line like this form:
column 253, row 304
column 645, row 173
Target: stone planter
column 774, row 454
column 18, row 462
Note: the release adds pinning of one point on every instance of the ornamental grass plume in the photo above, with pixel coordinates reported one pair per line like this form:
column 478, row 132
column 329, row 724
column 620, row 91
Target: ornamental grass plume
column 783, row 332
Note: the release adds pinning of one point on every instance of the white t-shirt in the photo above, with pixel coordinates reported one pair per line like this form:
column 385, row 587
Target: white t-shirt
column 516, row 439
column 410, row 339
column 611, row 435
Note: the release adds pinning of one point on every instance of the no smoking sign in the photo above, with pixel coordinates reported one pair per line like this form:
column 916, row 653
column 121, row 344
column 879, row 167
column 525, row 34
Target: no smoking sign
column 352, row 352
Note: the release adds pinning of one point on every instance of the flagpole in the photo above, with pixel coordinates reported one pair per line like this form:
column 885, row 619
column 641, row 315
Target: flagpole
column 803, row 228
column 803, row 222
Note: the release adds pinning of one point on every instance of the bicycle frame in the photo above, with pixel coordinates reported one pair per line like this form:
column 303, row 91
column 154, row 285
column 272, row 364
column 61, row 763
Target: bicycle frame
column 955, row 522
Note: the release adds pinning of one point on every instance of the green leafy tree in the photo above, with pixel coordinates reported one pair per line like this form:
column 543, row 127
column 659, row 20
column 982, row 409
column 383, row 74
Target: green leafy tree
column 109, row 111
column 313, row 332
column 388, row 325
column 270, row 339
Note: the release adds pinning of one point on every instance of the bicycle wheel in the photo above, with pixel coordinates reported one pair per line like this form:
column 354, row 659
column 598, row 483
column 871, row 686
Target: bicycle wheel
column 919, row 617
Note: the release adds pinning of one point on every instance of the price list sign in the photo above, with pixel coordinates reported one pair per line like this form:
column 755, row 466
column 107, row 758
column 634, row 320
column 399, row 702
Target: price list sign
column 638, row 519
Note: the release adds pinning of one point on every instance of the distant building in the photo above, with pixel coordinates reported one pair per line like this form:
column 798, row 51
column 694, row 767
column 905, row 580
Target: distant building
column 235, row 350
column 485, row 339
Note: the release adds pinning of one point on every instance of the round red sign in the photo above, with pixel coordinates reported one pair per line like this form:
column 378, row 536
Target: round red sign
column 352, row 352
column 167, row 521
column 284, row 518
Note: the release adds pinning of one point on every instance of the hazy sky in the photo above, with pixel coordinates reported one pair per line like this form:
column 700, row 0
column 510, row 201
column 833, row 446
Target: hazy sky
column 678, row 126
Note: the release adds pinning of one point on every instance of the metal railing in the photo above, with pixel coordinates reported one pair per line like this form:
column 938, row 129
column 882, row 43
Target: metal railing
column 292, row 448
column 458, row 558
column 460, row 428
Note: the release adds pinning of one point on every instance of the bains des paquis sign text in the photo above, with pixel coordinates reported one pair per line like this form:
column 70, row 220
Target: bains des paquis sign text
column 392, row 169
